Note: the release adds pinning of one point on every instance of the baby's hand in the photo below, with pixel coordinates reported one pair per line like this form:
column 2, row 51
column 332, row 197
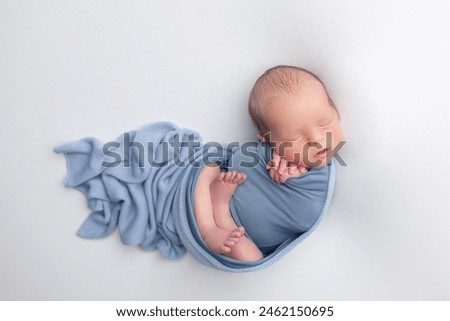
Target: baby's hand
column 280, row 170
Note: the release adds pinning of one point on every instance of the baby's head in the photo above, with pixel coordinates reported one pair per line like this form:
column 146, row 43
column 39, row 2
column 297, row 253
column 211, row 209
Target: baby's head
column 292, row 110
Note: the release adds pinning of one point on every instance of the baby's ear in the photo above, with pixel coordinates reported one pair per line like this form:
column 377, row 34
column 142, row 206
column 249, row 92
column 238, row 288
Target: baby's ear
column 261, row 137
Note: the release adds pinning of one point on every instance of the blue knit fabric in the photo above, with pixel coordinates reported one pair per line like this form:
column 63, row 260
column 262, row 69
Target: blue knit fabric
column 271, row 212
column 152, row 205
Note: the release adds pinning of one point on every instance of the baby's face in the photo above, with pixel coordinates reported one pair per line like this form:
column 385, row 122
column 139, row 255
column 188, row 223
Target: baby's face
column 304, row 129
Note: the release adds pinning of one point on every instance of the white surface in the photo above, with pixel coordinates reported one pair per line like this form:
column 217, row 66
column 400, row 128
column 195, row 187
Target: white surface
column 70, row 69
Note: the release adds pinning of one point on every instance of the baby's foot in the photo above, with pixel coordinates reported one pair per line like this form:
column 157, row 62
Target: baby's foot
column 220, row 240
column 224, row 185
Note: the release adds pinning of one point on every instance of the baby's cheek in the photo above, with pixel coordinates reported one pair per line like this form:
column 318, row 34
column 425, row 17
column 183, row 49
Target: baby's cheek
column 291, row 151
column 337, row 135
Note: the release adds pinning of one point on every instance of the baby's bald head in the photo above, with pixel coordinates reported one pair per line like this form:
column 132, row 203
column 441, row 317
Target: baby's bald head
column 276, row 82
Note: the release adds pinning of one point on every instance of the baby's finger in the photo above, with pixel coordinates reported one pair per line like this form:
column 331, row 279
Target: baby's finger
column 276, row 160
column 302, row 169
column 272, row 174
column 283, row 165
column 283, row 179
column 291, row 170
column 277, row 178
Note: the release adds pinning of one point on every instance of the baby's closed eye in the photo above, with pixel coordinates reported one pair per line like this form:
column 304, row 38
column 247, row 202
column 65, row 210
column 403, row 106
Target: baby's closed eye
column 326, row 122
column 298, row 137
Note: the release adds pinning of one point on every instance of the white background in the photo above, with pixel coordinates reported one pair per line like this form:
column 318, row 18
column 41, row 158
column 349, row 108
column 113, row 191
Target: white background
column 70, row 69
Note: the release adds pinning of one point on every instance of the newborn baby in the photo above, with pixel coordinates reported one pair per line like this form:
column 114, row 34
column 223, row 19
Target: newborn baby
column 295, row 116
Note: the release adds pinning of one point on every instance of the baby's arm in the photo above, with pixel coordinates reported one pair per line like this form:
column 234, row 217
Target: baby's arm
column 280, row 170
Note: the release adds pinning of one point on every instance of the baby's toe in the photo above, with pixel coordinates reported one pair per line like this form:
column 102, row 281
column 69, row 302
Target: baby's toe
column 242, row 177
column 233, row 176
column 237, row 179
column 235, row 235
column 239, row 230
column 229, row 176
column 229, row 243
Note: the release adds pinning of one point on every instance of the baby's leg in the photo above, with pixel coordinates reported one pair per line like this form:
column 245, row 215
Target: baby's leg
column 218, row 239
column 222, row 189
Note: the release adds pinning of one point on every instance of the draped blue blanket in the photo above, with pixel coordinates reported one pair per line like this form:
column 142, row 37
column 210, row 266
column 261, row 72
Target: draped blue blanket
column 143, row 185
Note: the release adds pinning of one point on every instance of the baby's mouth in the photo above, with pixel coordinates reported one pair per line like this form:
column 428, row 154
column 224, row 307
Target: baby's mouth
column 322, row 154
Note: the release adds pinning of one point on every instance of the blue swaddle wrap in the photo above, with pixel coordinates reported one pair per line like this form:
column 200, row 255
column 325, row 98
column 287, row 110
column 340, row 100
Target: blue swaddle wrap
column 143, row 187
column 272, row 213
